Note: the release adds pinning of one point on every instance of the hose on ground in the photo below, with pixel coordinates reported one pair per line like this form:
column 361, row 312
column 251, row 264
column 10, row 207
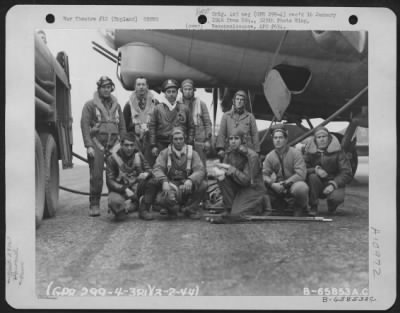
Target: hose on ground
column 80, row 192
column 76, row 191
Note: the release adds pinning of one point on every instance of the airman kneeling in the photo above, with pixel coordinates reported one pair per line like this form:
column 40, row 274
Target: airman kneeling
column 127, row 177
column 328, row 170
column 179, row 178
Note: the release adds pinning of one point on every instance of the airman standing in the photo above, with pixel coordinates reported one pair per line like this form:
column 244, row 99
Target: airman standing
column 167, row 115
column 238, row 117
column 102, row 125
column 201, row 119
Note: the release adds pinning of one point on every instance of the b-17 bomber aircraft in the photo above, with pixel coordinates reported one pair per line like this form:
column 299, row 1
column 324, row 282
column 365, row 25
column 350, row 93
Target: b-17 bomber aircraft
column 293, row 76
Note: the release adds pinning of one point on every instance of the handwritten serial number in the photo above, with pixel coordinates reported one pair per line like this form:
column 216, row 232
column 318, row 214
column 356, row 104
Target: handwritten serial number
column 147, row 291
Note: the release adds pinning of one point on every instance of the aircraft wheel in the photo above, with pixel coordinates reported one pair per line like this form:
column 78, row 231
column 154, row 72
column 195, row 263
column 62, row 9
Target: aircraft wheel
column 39, row 181
column 52, row 177
column 352, row 156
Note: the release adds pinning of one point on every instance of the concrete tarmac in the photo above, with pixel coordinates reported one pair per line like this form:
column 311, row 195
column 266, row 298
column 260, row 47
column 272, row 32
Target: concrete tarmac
column 181, row 256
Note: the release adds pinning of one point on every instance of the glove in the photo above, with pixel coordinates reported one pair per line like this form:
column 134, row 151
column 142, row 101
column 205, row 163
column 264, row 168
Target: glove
column 165, row 186
column 278, row 187
column 221, row 154
column 129, row 193
column 143, row 176
column 267, row 180
column 188, row 185
column 155, row 151
column 221, row 177
column 90, row 152
column 320, row 172
column 328, row 189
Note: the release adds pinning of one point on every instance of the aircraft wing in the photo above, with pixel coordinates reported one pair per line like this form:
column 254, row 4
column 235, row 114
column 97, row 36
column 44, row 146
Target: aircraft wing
column 288, row 74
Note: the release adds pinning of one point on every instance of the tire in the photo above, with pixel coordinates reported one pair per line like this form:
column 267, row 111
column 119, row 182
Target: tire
column 52, row 175
column 353, row 158
column 351, row 155
column 39, row 181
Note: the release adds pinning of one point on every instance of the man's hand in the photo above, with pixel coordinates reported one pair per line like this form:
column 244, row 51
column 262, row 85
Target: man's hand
column 129, row 193
column 143, row 176
column 188, row 185
column 207, row 146
column 328, row 189
column 154, row 151
column 165, row 186
column 267, row 180
column 320, row 172
column 278, row 188
column 90, row 152
column 221, row 154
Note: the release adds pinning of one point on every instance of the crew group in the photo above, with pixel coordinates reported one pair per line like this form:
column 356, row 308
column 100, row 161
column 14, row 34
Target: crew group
column 160, row 160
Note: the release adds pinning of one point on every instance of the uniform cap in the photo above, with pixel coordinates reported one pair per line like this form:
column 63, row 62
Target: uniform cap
column 170, row 83
column 321, row 129
column 280, row 128
column 177, row 130
column 130, row 136
column 237, row 132
column 241, row 93
column 104, row 81
column 187, row 82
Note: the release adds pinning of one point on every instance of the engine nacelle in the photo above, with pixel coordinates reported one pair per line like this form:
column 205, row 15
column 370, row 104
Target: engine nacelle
column 343, row 42
column 154, row 66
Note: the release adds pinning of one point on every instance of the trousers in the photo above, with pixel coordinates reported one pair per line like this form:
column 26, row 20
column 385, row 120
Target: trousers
column 96, row 168
column 155, row 195
column 316, row 184
column 296, row 198
column 116, row 201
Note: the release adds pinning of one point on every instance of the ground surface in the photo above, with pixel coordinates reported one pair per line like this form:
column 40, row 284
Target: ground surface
column 76, row 251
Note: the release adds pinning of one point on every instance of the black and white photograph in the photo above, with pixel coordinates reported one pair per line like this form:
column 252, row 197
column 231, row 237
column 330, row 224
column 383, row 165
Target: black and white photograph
column 228, row 156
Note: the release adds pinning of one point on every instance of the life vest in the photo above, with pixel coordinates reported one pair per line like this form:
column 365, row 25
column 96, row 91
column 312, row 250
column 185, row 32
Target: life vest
column 107, row 125
column 189, row 157
column 196, row 111
column 107, row 121
column 128, row 174
column 139, row 116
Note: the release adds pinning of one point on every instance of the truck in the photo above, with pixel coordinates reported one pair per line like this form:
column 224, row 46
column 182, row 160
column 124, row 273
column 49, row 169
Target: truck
column 53, row 126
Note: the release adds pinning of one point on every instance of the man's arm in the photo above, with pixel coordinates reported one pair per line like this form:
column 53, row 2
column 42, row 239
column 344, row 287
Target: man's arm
column 112, row 172
column 86, row 120
column 299, row 166
column 128, row 118
column 240, row 177
column 153, row 127
column 308, row 159
column 190, row 127
column 198, row 170
column 206, row 120
column 254, row 133
column 121, row 125
column 220, row 144
column 345, row 173
column 160, row 167
column 146, row 166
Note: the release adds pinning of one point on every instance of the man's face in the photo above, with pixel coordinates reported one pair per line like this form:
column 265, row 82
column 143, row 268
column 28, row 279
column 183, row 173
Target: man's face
column 279, row 140
column 234, row 142
column 322, row 140
column 141, row 86
column 171, row 94
column 188, row 92
column 178, row 140
column 105, row 91
column 128, row 147
column 239, row 101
